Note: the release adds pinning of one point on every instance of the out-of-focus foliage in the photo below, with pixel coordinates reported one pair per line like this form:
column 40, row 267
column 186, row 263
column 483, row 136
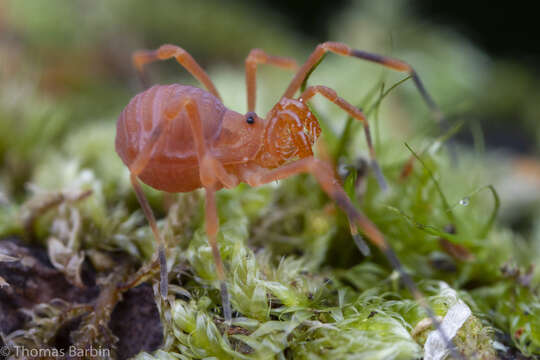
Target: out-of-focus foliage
column 299, row 287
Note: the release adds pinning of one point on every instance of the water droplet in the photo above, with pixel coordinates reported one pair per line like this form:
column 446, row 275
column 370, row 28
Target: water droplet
column 343, row 170
column 464, row 201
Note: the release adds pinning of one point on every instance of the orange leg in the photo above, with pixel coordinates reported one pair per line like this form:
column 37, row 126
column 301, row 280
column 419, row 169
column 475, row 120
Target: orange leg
column 167, row 51
column 210, row 169
column 323, row 172
column 355, row 113
column 211, row 172
column 136, row 168
column 258, row 56
column 212, row 228
column 345, row 50
column 164, row 281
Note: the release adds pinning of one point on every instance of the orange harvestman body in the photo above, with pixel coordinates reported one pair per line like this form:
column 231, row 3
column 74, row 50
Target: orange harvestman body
column 179, row 138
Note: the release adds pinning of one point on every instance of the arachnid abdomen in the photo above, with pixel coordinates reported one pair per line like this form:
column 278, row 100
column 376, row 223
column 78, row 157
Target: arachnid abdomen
column 175, row 156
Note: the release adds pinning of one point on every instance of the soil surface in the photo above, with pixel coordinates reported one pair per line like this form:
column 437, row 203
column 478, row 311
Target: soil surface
column 33, row 280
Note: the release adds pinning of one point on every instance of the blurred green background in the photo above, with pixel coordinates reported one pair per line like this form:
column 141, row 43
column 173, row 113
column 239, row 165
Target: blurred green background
column 85, row 41
column 72, row 59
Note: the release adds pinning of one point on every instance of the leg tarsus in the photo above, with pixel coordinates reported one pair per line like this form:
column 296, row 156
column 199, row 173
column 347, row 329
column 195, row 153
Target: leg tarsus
column 226, row 302
column 164, row 278
column 419, row 297
column 147, row 210
column 212, row 228
column 379, row 175
column 359, row 240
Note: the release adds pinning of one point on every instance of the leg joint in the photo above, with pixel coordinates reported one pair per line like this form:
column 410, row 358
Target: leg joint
column 327, row 92
column 168, row 51
column 337, row 47
column 207, row 176
column 256, row 56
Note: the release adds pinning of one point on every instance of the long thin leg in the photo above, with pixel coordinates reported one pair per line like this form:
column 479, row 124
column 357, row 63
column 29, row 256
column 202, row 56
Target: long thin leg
column 258, row 56
column 167, row 51
column 212, row 228
column 355, row 113
column 164, row 281
column 345, row 50
column 136, row 168
column 211, row 171
column 323, row 172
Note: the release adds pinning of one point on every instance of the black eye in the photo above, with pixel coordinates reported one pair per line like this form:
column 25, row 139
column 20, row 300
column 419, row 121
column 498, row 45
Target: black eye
column 250, row 118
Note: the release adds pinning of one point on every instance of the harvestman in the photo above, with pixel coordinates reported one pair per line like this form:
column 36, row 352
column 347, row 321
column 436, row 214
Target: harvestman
column 179, row 138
